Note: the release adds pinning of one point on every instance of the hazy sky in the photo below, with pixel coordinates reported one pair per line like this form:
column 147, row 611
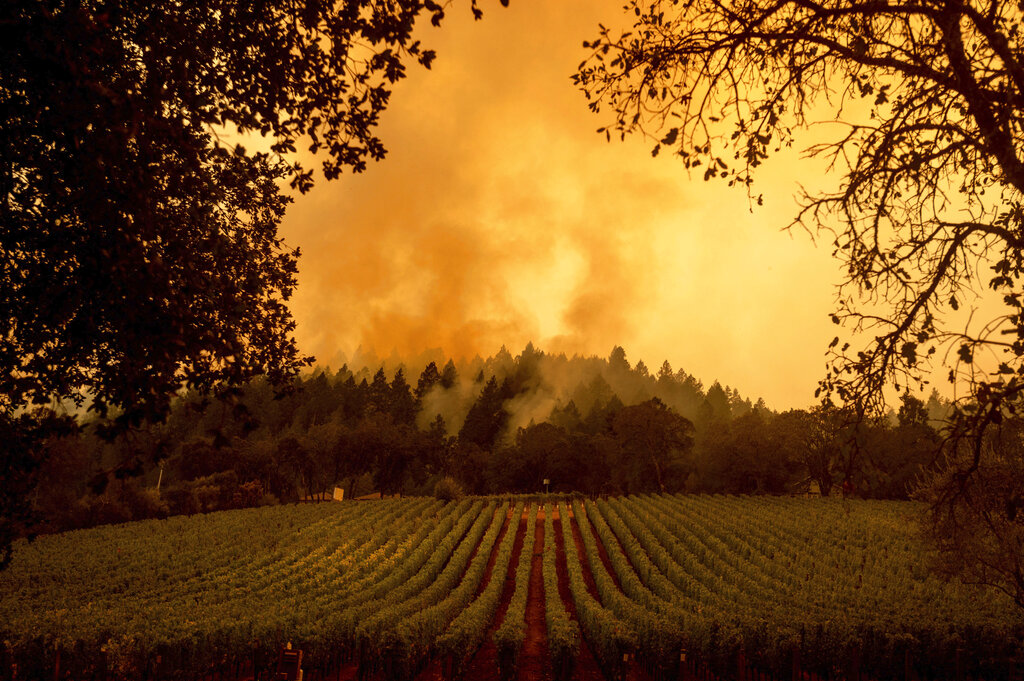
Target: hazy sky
column 501, row 217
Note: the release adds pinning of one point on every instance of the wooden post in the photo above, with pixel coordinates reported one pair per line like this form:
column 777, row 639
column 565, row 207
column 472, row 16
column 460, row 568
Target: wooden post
column 796, row 664
column 56, row 665
column 906, row 665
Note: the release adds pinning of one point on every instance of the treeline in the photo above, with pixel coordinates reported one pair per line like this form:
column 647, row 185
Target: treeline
column 502, row 424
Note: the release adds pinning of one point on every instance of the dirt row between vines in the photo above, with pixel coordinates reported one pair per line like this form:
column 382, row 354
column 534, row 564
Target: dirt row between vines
column 586, row 667
column 634, row 671
column 434, row 670
column 483, row 666
column 534, row 662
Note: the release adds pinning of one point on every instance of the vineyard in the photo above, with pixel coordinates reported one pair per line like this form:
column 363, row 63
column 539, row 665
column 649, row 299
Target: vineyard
column 639, row 587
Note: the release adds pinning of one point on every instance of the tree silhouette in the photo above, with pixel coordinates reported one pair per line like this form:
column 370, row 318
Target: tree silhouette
column 984, row 541
column 403, row 403
column 617, row 361
column 655, row 441
column 449, row 375
column 926, row 102
column 427, row 380
column 379, row 392
column 139, row 250
column 487, row 417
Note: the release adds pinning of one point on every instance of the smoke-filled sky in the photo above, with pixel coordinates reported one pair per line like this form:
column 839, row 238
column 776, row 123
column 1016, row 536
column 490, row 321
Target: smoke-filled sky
column 500, row 217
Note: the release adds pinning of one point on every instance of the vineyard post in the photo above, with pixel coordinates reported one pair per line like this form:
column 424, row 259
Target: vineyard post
column 906, row 665
column 959, row 665
column 796, row 664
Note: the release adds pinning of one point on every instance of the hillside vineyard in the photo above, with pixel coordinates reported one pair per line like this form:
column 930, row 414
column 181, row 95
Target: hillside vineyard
column 651, row 586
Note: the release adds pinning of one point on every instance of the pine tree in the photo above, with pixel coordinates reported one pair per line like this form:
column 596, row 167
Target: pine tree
column 403, row 406
column 449, row 376
column 380, row 392
column 487, row 417
column 428, row 379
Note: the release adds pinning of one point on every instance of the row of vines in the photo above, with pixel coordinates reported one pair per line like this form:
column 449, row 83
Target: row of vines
column 841, row 587
column 389, row 587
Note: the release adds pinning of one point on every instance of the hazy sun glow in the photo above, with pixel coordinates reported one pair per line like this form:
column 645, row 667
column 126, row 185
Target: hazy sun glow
column 501, row 217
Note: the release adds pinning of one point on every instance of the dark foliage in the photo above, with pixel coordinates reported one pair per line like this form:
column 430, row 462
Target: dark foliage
column 921, row 105
column 353, row 430
column 139, row 252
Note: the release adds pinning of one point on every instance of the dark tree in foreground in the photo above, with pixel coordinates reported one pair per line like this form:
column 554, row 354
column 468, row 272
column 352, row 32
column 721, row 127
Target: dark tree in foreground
column 982, row 540
column 139, row 253
column 925, row 104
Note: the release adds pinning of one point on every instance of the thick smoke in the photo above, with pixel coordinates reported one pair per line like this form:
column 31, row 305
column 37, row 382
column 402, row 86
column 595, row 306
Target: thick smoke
column 500, row 217
column 539, row 384
column 452, row 404
column 491, row 222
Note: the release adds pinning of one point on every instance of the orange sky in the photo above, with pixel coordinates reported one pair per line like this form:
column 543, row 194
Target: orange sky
column 501, row 217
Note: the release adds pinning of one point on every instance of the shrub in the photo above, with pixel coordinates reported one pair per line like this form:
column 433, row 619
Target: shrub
column 447, row 489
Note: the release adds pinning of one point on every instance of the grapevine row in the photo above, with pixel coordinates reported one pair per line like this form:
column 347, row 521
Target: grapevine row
column 611, row 639
column 509, row 637
column 563, row 633
column 468, row 629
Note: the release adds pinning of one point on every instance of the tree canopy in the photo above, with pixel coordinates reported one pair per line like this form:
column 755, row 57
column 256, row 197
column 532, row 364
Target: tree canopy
column 508, row 432
column 923, row 105
column 139, row 252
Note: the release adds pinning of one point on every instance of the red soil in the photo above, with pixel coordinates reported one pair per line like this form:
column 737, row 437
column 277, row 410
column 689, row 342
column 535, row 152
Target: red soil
column 484, row 665
column 534, row 659
column 588, row 577
column 635, row 672
column 435, row 669
column 494, row 553
column 602, row 553
column 585, row 668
